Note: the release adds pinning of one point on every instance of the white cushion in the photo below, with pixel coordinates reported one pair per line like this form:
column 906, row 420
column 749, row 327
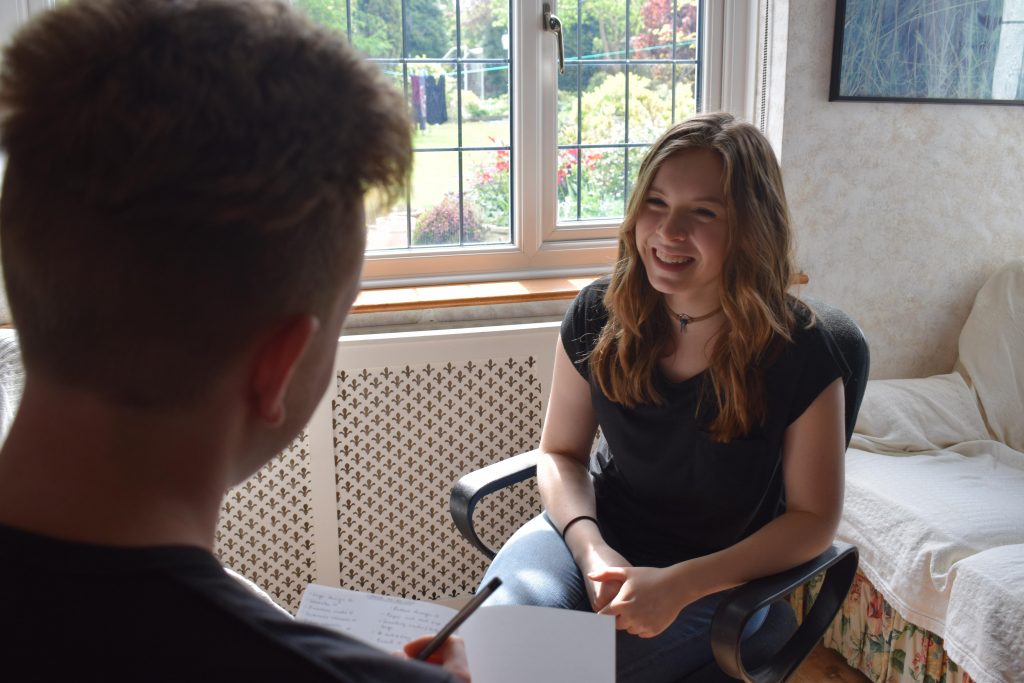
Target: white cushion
column 915, row 415
column 992, row 353
column 986, row 608
column 915, row 517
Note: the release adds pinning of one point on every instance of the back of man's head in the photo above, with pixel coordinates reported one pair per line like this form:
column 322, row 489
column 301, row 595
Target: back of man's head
column 181, row 173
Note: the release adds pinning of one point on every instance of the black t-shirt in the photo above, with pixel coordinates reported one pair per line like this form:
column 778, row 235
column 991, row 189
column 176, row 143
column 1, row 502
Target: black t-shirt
column 665, row 491
column 78, row 612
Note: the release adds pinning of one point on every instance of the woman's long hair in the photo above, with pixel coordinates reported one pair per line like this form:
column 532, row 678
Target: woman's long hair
column 755, row 276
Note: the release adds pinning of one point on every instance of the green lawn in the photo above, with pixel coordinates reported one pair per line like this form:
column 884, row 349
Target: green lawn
column 435, row 173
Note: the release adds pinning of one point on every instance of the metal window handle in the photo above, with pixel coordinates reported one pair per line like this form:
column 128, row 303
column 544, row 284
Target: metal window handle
column 553, row 23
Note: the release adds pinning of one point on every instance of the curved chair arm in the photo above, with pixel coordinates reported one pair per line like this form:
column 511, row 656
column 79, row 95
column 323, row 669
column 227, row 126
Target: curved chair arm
column 840, row 564
column 470, row 488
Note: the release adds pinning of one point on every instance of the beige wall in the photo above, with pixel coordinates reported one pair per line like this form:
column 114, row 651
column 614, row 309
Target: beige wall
column 901, row 210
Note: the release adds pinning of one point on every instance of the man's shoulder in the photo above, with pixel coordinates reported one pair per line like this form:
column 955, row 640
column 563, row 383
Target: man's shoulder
column 162, row 614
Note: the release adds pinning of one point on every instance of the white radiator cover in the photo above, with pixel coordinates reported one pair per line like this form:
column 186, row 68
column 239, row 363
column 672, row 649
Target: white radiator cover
column 360, row 499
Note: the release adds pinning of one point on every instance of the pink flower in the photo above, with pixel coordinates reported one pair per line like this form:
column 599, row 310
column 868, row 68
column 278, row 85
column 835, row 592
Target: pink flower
column 875, row 606
column 855, row 591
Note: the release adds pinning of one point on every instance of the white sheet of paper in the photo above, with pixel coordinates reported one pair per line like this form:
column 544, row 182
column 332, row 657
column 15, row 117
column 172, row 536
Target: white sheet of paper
column 515, row 643
column 384, row 622
column 504, row 643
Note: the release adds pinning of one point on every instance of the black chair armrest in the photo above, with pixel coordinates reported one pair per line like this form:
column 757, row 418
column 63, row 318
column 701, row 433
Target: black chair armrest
column 840, row 564
column 470, row 488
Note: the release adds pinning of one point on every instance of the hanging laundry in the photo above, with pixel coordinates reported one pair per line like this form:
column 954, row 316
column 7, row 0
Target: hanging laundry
column 418, row 101
column 441, row 99
column 436, row 109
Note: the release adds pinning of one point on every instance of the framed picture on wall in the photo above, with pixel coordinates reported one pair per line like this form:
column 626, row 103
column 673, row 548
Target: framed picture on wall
column 956, row 51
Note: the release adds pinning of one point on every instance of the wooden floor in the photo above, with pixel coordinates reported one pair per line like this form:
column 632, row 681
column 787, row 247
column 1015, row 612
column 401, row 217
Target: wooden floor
column 826, row 665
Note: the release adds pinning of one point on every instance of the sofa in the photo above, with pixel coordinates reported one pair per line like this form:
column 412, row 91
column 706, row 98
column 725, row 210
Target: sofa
column 935, row 504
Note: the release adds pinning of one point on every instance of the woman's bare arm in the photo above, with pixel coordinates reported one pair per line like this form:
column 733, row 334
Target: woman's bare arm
column 569, row 428
column 566, row 488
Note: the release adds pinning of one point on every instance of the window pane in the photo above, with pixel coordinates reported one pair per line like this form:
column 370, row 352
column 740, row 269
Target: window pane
column 451, row 61
column 484, row 27
column 686, row 30
column 376, row 26
column 651, row 32
column 650, row 101
column 568, row 90
column 485, row 106
column 387, row 229
column 686, row 91
column 636, row 157
column 487, row 199
column 568, row 184
column 602, row 182
column 435, row 208
column 602, row 28
column 570, row 29
column 429, row 28
column 603, row 104
column 624, row 87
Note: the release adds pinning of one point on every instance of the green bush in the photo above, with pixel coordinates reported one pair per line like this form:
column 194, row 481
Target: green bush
column 487, row 109
column 440, row 224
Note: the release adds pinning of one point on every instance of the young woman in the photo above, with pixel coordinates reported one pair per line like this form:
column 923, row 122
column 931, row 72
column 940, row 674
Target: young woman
column 719, row 402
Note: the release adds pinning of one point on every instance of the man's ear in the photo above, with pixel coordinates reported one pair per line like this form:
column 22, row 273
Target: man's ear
column 275, row 365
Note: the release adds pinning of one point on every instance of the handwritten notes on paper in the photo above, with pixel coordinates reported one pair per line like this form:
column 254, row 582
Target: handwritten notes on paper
column 388, row 623
column 504, row 643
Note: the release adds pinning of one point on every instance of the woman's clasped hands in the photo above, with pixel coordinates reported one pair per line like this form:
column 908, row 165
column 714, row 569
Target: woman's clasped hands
column 647, row 599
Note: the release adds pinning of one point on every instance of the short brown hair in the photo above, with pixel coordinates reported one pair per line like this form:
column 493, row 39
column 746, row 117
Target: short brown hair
column 181, row 172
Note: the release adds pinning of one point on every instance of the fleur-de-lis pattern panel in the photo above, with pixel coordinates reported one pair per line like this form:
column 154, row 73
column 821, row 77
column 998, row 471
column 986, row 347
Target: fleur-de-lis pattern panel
column 402, row 436
column 265, row 531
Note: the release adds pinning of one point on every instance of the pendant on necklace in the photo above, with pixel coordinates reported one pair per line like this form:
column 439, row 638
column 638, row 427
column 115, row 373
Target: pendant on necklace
column 684, row 320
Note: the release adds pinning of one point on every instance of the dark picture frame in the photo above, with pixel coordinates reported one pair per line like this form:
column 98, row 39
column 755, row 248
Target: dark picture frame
column 946, row 51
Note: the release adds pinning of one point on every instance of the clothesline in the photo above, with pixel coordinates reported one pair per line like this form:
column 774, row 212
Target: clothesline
column 469, row 69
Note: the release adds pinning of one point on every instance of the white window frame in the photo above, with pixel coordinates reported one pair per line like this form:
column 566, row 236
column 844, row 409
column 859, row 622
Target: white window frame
column 545, row 248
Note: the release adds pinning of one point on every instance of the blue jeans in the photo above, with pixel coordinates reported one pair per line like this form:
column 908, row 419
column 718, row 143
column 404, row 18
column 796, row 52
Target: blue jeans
column 536, row 568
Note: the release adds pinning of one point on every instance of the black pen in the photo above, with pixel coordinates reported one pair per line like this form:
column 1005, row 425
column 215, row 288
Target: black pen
column 460, row 616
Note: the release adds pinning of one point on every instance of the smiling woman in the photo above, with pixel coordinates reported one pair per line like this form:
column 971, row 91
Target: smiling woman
column 717, row 398
column 681, row 232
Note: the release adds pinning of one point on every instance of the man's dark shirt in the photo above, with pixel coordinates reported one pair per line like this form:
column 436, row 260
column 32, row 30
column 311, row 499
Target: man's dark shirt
column 73, row 611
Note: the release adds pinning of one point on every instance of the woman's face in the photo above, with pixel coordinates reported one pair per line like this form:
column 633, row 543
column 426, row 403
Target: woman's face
column 682, row 230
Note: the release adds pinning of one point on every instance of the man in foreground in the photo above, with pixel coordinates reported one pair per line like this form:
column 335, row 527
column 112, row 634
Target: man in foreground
column 182, row 235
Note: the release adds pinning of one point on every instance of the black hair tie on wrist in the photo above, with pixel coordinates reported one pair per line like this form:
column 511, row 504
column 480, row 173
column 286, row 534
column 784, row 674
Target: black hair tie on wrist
column 572, row 521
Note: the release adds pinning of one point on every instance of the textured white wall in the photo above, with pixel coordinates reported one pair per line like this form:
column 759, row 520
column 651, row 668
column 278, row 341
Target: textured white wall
column 901, row 210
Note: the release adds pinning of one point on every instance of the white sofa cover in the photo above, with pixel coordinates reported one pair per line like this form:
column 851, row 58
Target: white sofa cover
column 935, row 490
